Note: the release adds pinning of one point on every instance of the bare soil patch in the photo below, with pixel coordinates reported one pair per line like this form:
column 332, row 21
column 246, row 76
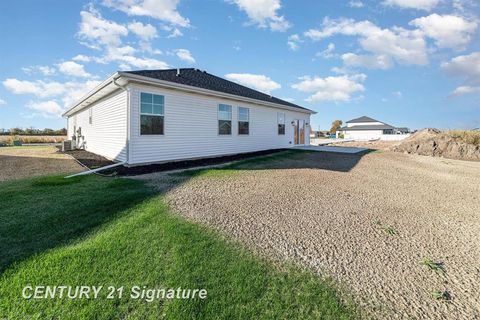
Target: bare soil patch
column 463, row 145
column 24, row 162
column 369, row 222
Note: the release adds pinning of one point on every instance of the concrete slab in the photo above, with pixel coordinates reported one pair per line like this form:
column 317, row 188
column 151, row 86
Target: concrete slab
column 350, row 150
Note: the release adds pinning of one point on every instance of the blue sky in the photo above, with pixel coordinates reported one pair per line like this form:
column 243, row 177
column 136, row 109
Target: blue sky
column 412, row 63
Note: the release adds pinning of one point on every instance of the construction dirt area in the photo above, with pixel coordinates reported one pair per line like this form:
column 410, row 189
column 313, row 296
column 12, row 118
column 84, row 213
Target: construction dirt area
column 399, row 233
column 30, row 161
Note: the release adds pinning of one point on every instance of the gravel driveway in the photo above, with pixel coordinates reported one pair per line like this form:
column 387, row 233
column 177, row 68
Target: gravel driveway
column 368, row 222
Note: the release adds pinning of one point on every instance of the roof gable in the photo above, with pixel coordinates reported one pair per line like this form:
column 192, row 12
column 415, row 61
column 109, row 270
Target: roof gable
column 363, row 119
column 201, row 79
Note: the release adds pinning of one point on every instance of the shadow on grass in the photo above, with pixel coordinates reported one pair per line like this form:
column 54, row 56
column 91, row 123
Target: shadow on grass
column 137, row 241
column 290, row 159
column 43, row 213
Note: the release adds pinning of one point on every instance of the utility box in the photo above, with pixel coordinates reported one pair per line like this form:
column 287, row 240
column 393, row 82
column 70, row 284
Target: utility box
column 67, row 145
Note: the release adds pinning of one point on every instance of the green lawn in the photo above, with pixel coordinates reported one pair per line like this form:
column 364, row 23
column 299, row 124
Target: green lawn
column 118, row 232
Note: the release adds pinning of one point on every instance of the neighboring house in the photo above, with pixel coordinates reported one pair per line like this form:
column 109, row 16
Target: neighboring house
column 150, row 116
column 365, row 128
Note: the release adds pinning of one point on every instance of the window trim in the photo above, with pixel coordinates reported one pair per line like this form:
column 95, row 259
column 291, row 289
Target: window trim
column 90, row 115
column 278, row 123
column 149, row 114
column 218, row 119
column 238, row 121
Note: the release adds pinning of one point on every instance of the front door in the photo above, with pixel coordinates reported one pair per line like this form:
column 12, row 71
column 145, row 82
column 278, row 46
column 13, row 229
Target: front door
column 299, row 132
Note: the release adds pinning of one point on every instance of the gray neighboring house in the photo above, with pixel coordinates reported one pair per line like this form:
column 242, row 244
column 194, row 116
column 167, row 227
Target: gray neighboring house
column 366, row 128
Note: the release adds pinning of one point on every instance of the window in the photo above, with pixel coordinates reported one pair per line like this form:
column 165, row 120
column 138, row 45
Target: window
column 151, row 113
column 243, row 120
column 224, row 119
column 90, row 115
column 281, row 122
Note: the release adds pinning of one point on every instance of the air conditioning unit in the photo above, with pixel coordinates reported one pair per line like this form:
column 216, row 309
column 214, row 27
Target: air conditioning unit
column 67, row 145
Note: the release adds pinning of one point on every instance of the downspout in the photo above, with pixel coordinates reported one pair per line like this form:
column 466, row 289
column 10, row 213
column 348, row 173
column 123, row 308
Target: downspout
column 127, row 139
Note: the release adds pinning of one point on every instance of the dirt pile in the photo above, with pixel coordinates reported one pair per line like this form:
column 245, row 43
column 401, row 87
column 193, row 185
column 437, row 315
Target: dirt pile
column 436, row 143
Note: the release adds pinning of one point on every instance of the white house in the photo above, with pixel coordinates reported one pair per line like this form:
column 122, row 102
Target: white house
column 365, row 128
column 150, row 116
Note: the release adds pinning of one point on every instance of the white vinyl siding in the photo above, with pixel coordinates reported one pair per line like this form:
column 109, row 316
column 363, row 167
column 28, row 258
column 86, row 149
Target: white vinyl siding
column 191, row 128
column 107, row 134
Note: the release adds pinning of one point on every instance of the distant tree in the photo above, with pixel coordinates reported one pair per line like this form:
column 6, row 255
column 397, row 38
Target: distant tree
column 337, row 124
column 16, row 131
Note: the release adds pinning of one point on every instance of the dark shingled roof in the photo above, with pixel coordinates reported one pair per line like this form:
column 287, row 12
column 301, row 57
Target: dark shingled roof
column 201, row 79
column 363, row 119
column 367, row 127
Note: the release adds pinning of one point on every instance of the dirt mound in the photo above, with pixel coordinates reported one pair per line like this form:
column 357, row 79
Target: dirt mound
column 436, row 143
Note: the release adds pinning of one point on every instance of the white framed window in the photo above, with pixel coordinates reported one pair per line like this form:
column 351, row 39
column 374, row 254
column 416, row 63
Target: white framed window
column 90, row 115
column 243, row 120
column 224, row 119
column 281, row 123
column 151, row 113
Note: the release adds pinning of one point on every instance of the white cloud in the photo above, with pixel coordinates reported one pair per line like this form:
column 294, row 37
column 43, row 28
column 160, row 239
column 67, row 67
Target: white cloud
column 397, row 94
column 293, row 42
column 141, row 63
column 81, row 58
column 98, row 32
column 460, row 91
column 328, row 52
column 368, row 61
column 146, row 32
column 402, row 45
column 258, row 82
column 38, row 88
column 76, row 90
column 2, row 102
column 71, row 68
column 413, row 4
column 185, row 55
column 263, row 13
column 466, row 67
column 336, row 89
column 448, row 31
column 45, row 70
column 164, row 10
column 355, row 4
column 48, row 108
column 68, row 91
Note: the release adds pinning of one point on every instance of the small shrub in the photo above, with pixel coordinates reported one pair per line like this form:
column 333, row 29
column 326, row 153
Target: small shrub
column 390, row 230
column 442, row 295
column 438, row 267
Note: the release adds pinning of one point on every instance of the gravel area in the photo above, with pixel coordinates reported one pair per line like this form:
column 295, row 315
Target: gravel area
column 24, row 162
column 367, row 221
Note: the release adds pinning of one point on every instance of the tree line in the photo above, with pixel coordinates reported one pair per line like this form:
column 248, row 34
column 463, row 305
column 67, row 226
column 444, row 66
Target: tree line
column 33, row 132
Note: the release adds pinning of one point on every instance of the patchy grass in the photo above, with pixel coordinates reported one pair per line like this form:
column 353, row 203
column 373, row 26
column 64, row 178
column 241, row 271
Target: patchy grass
column 442, row 295
column 236, row 167
column 390, row 230
column 438, row 267
column 117, row 232
column 468, row 136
